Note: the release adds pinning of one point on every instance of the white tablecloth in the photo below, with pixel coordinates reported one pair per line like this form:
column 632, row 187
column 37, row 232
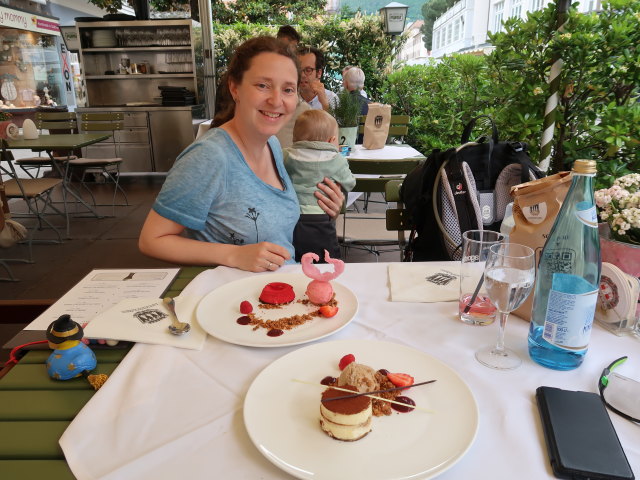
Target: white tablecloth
column 388, row 152
column 129, row 431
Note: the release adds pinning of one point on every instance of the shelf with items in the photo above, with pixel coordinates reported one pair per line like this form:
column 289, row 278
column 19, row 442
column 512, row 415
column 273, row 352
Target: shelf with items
column 135, row 49
column 139, row 76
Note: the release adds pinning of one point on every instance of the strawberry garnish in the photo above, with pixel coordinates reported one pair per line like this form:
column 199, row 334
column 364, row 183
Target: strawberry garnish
column 328, row 311
column 346, row 360
column 400, row 379
column 245, row 307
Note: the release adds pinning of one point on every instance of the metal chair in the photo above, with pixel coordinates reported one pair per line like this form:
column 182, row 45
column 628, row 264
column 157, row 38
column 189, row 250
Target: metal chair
column 35, row 192
column 55, row 122
column 107, row 168
column 367, row 231
column 397, row 219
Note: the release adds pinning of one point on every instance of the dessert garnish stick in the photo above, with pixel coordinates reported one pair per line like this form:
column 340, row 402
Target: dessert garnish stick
column 376, row 391
column 368, row 395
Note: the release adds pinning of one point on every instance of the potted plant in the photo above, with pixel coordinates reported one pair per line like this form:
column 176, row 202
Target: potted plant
column 619, row 207
column 346, row 111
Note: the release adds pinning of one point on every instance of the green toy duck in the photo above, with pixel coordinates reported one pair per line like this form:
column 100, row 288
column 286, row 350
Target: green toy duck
column 70, row 358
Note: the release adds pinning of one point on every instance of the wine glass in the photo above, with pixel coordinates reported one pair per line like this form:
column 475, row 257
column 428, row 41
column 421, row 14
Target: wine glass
column 508, row 274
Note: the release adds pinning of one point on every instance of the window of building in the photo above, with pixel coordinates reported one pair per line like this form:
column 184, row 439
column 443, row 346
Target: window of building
column 498, row 16
column 456, row 30
column 536, row 5
column 516, row 8
column 449, row 31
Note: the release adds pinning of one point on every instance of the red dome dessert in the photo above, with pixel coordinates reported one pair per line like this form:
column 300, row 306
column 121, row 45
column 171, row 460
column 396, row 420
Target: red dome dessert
column 277, row 293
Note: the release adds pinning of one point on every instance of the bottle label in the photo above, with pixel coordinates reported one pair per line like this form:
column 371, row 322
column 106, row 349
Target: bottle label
column 570, row 310
column 586, row 213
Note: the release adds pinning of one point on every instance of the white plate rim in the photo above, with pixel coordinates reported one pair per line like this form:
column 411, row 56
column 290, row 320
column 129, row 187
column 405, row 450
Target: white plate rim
column 348, row 304
column 254, row 396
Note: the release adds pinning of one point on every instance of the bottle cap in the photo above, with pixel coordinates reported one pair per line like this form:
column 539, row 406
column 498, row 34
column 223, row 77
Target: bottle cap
column 584, row 166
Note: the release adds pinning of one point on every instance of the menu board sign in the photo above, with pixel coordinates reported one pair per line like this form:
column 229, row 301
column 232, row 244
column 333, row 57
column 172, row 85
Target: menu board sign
column 28, row 21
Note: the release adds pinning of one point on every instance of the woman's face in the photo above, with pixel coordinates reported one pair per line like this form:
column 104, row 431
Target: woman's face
column 267, row 96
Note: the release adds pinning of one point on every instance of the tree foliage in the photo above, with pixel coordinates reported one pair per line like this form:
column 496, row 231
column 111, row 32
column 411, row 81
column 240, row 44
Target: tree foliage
column 599, row 110
column 431, row 10
column 269, row 12
column 352, row 41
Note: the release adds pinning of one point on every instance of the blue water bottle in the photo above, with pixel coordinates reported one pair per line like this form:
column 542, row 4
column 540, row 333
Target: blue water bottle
column 566, row 289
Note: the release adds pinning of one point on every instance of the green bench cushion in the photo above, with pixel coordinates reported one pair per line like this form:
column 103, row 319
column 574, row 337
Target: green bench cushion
column 34, row 377
column 35, row 469
column 42, row 404
column 31, row 440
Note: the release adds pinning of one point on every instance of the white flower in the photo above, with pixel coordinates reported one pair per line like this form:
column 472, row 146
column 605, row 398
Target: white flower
column 620, row 207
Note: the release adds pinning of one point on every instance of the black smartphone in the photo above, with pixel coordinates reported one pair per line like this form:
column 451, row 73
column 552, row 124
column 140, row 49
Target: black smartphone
column 581, row 440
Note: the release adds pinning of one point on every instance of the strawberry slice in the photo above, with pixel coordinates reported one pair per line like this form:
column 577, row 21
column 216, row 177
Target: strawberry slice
column 245, row 307
column 346, row 360
column 400, row 379
column 328, row 311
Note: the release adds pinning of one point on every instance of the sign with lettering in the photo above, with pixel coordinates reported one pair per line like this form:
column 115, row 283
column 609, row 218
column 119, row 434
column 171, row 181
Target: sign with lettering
column 28, row 21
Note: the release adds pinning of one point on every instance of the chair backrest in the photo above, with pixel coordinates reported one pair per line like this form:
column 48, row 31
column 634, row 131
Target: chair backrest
column 101, row 122
column 57, row 122
column 55, row 116
column 102, row 117
column 397, row 219
column 399, row 126
column 69, row 126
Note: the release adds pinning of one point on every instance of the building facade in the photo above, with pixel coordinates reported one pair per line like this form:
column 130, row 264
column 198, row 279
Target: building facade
column 464, row 28
column 414, row 51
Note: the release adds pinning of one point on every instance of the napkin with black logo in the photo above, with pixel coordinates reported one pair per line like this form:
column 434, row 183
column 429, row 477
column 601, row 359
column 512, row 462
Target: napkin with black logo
column 146, row 320
column 424, row 282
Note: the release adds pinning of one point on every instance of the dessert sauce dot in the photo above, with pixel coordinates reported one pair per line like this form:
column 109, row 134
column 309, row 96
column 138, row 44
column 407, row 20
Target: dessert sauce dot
column 403, row 409
column 328, row 380
column 244, row 320
column 275, row 332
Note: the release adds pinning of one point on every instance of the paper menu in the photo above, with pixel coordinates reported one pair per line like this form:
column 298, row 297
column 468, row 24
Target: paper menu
column 101, row 289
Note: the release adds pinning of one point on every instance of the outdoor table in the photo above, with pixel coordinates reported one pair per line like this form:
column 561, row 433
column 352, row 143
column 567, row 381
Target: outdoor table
column 509, row 442
column 59, row 142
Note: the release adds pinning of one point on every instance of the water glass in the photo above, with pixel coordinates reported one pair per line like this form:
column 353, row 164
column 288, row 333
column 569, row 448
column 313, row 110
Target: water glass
column 474, row 306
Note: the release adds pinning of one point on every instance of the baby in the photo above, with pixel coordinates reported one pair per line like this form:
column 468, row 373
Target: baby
column 312, row 157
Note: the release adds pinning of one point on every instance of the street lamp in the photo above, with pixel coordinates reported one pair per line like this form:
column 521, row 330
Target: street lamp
column 394, row 16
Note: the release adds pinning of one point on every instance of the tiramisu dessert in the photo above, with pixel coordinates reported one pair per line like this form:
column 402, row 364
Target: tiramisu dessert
column 348, row 419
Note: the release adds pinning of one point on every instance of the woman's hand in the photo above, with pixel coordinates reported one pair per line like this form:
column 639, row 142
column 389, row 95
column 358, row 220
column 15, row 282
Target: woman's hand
column 259, row 257
column 330, row 197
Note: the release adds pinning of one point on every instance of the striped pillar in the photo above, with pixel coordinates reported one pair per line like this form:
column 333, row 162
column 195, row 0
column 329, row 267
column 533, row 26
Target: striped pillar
column 549, row 123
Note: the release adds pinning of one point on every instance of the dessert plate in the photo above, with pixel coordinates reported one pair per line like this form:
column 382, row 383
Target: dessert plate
column 218, row 311
column 282, row 416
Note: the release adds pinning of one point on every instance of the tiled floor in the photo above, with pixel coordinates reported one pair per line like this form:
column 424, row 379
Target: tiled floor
column 109, row 242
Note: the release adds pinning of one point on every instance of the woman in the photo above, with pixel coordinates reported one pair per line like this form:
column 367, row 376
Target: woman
column 229, row 192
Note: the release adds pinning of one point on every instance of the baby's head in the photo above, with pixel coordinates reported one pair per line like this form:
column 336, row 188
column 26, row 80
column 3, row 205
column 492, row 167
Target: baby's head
column 316, row 125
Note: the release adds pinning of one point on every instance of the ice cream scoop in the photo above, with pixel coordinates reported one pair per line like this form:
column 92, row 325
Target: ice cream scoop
column 360, row 376
column 319, row 291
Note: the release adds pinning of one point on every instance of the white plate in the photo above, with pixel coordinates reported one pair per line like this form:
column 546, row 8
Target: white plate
column 218, row 311
column 282, row 416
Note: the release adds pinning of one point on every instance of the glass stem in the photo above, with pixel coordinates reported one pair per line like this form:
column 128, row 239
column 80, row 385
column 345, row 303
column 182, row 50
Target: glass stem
column 503, row 322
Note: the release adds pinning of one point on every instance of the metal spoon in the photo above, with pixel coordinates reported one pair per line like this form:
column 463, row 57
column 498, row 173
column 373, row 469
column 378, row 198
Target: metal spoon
column 177, row 327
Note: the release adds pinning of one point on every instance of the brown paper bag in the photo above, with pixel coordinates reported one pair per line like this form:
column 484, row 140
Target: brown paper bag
column 376, row 127
column 535, row 207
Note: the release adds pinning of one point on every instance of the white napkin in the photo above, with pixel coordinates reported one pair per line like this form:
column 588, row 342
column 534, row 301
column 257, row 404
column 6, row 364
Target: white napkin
column 146, row 320
column 424, row 282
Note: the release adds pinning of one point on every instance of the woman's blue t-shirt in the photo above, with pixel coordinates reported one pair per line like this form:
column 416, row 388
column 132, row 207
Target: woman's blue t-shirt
column 212, row 192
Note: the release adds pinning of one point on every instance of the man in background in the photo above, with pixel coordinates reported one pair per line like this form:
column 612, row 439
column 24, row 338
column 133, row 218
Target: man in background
column 287, row 34
column 311, row 88
column 353, row 81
